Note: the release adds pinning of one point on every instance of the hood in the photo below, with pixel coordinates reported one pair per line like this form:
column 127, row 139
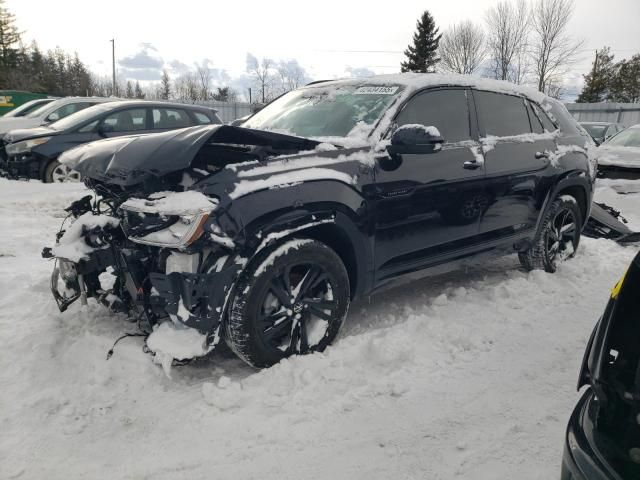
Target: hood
column 24, row 133
column 130, row 160
column 12, row 123
column 619, row 156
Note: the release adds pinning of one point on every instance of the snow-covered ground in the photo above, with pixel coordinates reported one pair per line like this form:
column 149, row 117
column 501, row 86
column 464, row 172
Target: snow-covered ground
column 467, row 375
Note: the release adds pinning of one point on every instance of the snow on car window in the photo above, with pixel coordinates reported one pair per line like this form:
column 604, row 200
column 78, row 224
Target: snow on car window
column 329, row 111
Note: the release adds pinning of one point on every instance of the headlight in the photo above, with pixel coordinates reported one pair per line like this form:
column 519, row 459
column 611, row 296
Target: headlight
column 25, row 146
column 183, row 232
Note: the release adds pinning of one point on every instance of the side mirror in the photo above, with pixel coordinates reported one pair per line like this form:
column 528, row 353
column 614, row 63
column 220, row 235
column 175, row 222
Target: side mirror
column 416, row 139
column 55, row 116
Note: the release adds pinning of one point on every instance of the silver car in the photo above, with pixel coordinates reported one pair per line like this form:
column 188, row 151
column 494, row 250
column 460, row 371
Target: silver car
column 50, row 112
column 620, row 153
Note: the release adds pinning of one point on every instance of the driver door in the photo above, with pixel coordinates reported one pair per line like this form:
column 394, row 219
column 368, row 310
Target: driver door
column 428, row 205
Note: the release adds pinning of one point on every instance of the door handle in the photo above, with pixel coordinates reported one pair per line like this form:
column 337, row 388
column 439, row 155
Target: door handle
column 471, row 165
column 541, row 155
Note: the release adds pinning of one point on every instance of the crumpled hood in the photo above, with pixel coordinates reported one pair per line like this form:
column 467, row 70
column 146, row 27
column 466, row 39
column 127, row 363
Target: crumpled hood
column 619, row 156
column 133, row 159
column 24, row 133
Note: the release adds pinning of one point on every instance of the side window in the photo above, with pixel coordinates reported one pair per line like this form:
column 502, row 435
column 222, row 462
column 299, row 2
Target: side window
column 127, row 120
column 201, row 118
column 89, row 127
column 447, row 110
column 536, row 125
column 170, row 118
column 502, row 115
column 66, row 110
column 546, row 121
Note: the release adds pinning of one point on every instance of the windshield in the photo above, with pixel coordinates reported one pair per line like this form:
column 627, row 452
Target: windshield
column 28, row 107
column 596, row 131
column 326, row 111
column 626, row 138
column 79, row 118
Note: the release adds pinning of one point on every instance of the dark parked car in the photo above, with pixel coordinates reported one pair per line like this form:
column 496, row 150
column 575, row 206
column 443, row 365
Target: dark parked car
column 34, row 152
column 603, row 436
column 600, row 131
column 263, row 234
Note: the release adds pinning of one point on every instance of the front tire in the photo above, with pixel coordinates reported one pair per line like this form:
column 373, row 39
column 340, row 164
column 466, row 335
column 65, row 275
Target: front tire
column 290, row 300
column 558, row 237
column 57, row 172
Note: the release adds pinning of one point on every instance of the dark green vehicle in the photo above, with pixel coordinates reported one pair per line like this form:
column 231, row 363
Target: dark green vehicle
column 10, row 99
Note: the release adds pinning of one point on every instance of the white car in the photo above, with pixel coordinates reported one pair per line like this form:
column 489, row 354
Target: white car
column 49, row 113
column 620, row 153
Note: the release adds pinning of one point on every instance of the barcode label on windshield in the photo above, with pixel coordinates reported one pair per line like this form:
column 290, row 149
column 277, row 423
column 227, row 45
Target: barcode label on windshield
column 375, row 90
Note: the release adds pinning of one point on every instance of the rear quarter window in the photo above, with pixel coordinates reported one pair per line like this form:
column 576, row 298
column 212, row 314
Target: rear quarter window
column 201, row 118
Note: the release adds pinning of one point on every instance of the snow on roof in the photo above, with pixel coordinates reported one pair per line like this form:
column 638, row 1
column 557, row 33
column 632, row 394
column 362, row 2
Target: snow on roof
column 415, row 81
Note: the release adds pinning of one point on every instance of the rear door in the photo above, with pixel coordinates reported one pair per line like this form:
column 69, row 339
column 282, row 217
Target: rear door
column 429, row 205
column 170, row 118
column 126, row 121
column 516, row 151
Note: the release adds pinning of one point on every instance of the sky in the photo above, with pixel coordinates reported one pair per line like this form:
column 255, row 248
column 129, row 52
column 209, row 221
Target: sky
column 329, row 39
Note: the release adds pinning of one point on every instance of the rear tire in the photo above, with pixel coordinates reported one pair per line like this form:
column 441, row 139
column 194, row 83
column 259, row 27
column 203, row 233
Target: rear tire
column 557, row 238
column 291, row 299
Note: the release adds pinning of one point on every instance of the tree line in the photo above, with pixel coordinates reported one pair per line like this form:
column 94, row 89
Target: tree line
column 521, row 41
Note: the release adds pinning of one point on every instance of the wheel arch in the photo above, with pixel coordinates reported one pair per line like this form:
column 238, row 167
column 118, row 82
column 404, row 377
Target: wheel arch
column 576, row 185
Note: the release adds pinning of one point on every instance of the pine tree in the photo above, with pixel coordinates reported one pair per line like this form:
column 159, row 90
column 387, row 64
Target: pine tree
column 625, row 85
column 422, row 56
column 137, row 92
column 129, row 91
column 9, row 40
column 597, row 82
column 165, row 86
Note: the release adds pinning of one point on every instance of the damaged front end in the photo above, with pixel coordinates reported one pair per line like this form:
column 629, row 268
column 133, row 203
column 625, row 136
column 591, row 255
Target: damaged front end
column 150, row 243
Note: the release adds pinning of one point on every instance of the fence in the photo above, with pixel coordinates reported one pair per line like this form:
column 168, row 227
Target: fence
column 229, row 111
column 625, row 113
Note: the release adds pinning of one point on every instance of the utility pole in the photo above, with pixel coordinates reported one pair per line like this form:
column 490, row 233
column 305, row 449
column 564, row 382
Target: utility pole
column 113, row 65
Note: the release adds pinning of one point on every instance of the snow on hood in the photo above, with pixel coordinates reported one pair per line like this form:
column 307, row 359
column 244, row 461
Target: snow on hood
column 13, row 123
column 618, row 156
column 172, row 203
column 72, row 245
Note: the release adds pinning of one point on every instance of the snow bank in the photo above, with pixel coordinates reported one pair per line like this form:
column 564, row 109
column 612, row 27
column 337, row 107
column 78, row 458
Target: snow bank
column 72, row 245
column 172, row 203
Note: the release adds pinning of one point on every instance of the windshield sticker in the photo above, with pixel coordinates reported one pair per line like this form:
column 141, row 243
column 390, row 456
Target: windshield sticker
column 375, row 90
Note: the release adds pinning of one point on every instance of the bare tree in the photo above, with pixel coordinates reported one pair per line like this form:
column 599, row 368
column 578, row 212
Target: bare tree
column 462, row 48
column 291, row 75
column 261, row 71
column 204, row 76
column 508, row 28
column 553, row 50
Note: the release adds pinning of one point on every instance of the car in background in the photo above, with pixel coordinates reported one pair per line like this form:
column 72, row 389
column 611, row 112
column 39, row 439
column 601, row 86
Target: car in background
column 33, row 153
column 50, row 112
column 601, row 131
column 28, row 107
column 619, row 156
column 603, row 435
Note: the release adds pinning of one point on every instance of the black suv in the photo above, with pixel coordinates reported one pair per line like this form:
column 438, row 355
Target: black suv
column 262, row 234
column 34, row 152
